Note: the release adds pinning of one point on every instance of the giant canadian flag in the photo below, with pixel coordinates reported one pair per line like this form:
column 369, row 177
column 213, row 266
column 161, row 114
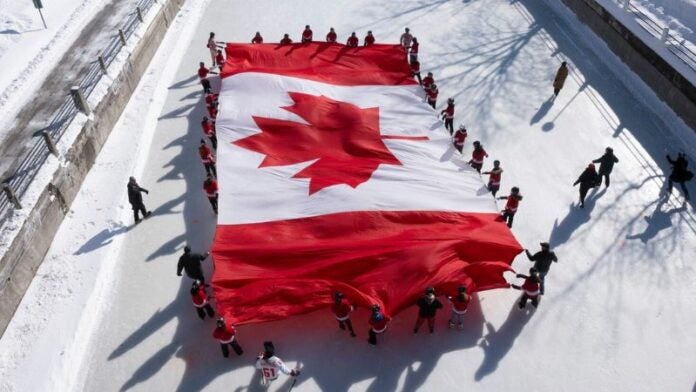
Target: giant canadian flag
column 335, row 175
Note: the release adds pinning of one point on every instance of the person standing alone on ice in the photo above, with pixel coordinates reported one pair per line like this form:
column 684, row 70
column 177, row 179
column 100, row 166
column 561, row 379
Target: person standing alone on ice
column 341, row 308
column 513, row 201
column 135, row 198
column 494, row 180
column 606, row 165
column 226, row 335
column 210, row 186
column 560, row 78
column 448, row 115
column 270, row 365
column 587, row 181
column 460, row 303
column 378, row 324
column 191, row 263
column 427, row 308
column 542, row 261
column 680, row 174
column 200, row 300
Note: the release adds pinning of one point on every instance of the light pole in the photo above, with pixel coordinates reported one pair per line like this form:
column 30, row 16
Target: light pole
column 38, row 6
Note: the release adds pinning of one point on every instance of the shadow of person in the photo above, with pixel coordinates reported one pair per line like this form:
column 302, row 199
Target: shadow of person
column 496, row 344
column 103, row 238
column 657, row 221
column 184, row 83
column 576, row 217
column 543, row 110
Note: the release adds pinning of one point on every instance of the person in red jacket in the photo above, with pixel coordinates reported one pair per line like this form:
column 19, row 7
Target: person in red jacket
column 200, row 300
column 226, row 335
column 459, row 138
column 460, row 303
column 378, row 324
column 286, row 40
column 413, row 54
column 258, row 39
column 494, row 180
column 431, row 95
column 428, row 81
column 210, row 186
column 307, row 34
column 352, row 41
column 448, row 115
column 219, row 59
column 530, row 288
column 369, row 39
column 415, row 71
column 331, row 36
column 207, row 158
column 209, row 130
column 341, row 309
column 210, row 98
column 513, row 201
column 477, row 156
column 427, row 308
column 212, row 109
column 203, row 76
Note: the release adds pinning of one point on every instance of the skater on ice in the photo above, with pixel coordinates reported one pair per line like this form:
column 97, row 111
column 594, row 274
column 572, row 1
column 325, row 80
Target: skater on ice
column 448, row 115
column 307, row 35
column 542, row 262
column 587, row 180
column 352, row 40
column 258, row 39
column 428, row 306
column 190, row 262
column 560, row 78
column 271, row 366
column 530, row 288
column 286, row 39
column 207, row 158
column 210, row 187
column 209, row 131
column 459, row 304
column 226, row 335
column 513, row 202
column 200, row 300
column 369, row 39
column 477, row 156
column 494, row 177
column 341, row 309
column 680, row 174
column 413, row 53
column 459, row 138
column 331, row 36
column 378, row 324
column 431, row 94
column 606, row 165
column 135, row 198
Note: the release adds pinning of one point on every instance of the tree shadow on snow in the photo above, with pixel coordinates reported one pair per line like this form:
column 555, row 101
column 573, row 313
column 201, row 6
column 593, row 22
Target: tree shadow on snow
column 657, row 221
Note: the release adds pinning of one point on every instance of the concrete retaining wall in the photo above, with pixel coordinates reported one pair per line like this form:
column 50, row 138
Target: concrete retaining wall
column 24, row 256
column 669, row 85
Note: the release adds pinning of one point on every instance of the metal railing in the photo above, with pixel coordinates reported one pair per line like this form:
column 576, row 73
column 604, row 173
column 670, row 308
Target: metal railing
column 683, row 49
column 16, row 185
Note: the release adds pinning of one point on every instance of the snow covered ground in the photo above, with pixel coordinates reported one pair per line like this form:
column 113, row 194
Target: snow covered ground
column 107, row 311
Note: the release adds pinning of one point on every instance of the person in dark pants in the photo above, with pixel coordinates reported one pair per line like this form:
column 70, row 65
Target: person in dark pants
column 378, row 324
column 606, row 165
column 448, row 115
column 225, row 334
column 587, row 181
column 200, row 300
column 341, row 309
column 513, row 202
column 191, row 263
column 210, row 186
column 542, row 261
column 135, row 198
column 530, row 288
column 427, row 308
column 680, row 174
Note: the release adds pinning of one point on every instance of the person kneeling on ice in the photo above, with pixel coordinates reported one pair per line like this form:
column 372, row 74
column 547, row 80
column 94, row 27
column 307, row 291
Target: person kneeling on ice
column 513, row 201
column 200, row 300
column 270, row 365
column 459, row 303
column 378, row 324
column 427, row 308
column 341, row 309
column 135, row 198
column 530, row 288
column 225, row 334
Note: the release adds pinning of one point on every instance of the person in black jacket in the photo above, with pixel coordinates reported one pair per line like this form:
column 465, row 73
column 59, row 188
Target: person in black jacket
column 542, row 261
column 427, row 307
column 680, row 174
column 191, row 263
column 587, row 181
column 606, row 165
column 135, row 198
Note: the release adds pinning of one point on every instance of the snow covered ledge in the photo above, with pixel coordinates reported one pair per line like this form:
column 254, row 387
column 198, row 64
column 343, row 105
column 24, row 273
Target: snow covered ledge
column 671, row 80
column 29, row 234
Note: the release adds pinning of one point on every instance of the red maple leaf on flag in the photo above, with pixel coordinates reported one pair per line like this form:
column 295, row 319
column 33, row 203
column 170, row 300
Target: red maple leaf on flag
column 342, row 139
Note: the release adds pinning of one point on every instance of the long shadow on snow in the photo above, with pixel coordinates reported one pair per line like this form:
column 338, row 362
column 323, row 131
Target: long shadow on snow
column 576, row 217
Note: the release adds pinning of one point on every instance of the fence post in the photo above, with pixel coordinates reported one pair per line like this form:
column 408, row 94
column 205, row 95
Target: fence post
column 49, row 142
column 102, row 63
column 626, row 4
column 122, row 36
column 11, row 196
column 79, row 99
column 140, row 14
column 665, row 34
